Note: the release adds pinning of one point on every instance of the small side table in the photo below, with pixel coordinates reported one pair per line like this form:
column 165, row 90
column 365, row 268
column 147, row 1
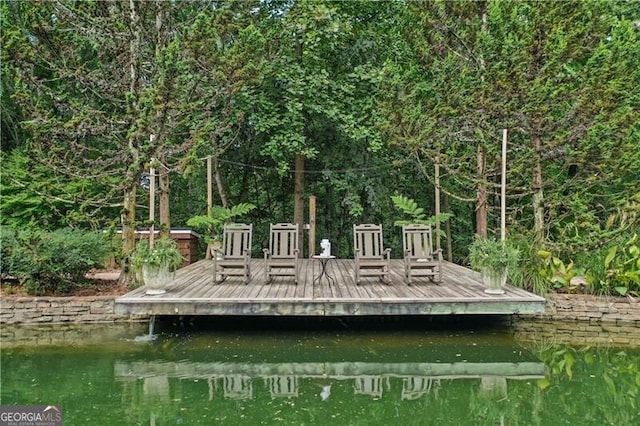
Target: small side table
column 324, row 260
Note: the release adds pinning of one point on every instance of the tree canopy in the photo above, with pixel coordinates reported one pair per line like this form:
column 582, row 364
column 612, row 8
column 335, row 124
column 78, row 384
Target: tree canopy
column 353, row 102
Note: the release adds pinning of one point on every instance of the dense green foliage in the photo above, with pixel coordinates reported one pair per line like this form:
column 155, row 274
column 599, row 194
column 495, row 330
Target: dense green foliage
column 213, row 223
column 370, row 95
column 52, row 262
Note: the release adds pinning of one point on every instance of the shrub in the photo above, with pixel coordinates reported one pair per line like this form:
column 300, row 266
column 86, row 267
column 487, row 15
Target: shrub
column 622, row 263
column 52, row 262
column 526, row 274
column 559, row 274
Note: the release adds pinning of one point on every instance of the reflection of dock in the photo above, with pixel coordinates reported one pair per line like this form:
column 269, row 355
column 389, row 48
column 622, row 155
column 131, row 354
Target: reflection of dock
column 460, row 293
column 282, row 379
column 334, row 370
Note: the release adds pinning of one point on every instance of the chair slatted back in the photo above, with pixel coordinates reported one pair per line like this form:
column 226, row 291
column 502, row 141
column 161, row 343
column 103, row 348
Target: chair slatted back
column 236, row 240
column 283, row 240
column 417, row 241
column 367, row 241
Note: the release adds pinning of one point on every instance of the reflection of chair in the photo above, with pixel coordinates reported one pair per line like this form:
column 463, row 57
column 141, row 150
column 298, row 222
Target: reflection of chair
column 281, row 258
column 156, row 388
column 368, row 385
column 420, row 260
column 282, row 386
column 211, row 383
column 238, row 387
column 234, row 257
column 414, row 387
column 370, row 256
column 493, row 387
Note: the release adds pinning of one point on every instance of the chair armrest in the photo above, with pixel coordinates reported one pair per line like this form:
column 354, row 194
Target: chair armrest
column 387, row 253
column 438, row 253
column 215, row 251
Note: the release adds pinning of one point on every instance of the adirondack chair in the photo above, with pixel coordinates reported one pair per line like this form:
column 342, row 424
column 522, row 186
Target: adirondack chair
column 281, row 258
column 371, row 259
column 420, row 260
column 234, row 257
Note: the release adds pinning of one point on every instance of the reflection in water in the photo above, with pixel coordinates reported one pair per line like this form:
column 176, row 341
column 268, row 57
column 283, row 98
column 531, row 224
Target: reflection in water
column 411, row 379
column 318, row 378
column 414, row 387
column 326, row 392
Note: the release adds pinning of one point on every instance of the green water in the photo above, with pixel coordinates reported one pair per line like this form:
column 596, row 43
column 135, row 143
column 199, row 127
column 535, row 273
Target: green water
column 338, row 374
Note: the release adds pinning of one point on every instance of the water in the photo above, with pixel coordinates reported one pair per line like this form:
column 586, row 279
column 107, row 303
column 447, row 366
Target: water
column 304, row 373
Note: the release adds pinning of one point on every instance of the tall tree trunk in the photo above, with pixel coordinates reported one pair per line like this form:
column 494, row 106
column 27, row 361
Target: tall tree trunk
column 128, row 216
column 481, row 202
column 163, row 179
column 222, row 189
column 538, row 194
column 163, row 186
column 298, row 203
column 128, row 219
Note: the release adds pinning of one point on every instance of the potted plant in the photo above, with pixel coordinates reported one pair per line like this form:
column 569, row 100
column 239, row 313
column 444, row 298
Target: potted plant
column 493, row 259
column 157, row 264
column 212, row 225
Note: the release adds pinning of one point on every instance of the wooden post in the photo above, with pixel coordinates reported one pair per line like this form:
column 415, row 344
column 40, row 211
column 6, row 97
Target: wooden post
column 503, row 201
column 152, row 205
column 209, row 184
column 437, row 181
column 312, row 225
column 152, row 196
column 209, row 195
column 448, row 226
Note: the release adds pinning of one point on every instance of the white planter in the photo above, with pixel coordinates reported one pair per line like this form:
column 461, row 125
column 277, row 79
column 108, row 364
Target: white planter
column 494, row 282
column 157, row 279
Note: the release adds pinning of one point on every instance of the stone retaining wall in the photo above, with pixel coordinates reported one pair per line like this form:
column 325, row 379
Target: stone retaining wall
column 57, row 310
column 582, row 320
column 65, row 334
column 590, row 310
column 593, row 309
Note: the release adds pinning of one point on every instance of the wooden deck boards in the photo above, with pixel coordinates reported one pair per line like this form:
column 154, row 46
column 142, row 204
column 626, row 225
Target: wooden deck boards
column 460, row 292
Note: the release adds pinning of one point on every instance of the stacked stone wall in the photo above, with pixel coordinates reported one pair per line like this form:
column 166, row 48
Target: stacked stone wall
column 65, row 334
column 582, row 320
column 58, row 310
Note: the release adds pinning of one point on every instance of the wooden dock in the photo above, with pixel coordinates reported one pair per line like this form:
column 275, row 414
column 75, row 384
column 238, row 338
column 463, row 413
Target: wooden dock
column 461, row 292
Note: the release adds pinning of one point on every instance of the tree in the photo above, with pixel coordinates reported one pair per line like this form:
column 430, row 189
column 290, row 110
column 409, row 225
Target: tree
column 93, row 86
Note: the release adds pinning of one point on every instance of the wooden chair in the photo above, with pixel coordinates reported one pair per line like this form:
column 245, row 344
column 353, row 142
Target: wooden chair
column 281, row 258
column 234, row 257
column 420, row 260
column 371, row 259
